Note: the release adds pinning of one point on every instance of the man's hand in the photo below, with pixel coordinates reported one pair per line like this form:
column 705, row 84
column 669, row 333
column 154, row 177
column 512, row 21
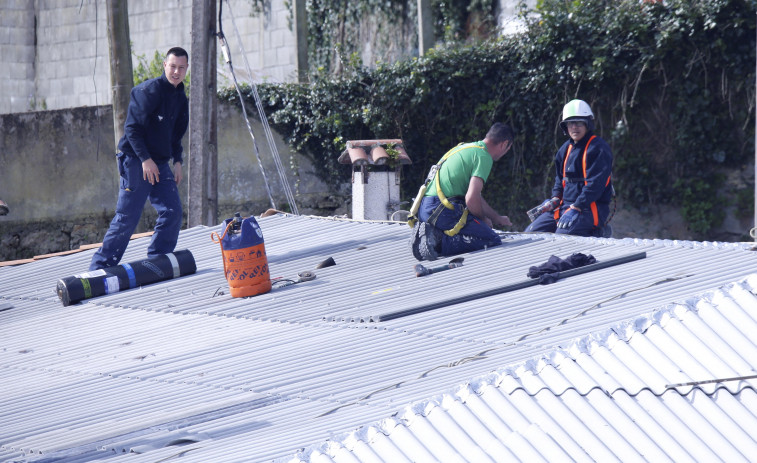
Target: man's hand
column 150, row 171
column 177, row 173
column 549, row 205
column 569, row 218
column 504, row 221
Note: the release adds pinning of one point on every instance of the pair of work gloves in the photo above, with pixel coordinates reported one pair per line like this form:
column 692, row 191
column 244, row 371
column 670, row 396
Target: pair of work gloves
column 566, row 220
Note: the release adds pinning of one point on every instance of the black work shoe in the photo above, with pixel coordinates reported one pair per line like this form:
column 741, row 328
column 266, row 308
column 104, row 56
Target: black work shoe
column 428, row 242
column 415, row 240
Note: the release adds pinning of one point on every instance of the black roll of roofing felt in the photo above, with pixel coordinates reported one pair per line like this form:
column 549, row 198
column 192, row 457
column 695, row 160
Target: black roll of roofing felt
column 125, row 276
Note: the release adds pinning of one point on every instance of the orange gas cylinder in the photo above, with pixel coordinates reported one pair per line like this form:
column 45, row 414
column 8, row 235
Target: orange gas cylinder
column 245, row 263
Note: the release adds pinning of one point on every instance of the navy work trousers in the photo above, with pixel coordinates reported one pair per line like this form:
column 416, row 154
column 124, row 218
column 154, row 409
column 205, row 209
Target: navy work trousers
column 583, row 226
column 473, row 236
column 133, row 192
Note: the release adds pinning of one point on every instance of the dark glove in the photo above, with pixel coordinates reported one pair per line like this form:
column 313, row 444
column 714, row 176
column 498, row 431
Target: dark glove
column 568, row 218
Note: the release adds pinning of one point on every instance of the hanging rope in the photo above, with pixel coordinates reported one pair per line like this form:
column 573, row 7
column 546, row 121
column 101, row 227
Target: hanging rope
column 261, row 113
column 227, row 56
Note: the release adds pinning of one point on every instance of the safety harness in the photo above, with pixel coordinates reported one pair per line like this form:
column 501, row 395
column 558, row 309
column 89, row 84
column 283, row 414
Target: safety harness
column 593, row 205
column 445, row 202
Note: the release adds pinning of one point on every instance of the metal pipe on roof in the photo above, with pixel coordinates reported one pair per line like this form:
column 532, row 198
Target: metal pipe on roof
column 505, row 289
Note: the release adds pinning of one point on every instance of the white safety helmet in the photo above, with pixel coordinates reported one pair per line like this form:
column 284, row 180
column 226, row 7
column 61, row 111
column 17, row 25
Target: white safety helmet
column 577, row 110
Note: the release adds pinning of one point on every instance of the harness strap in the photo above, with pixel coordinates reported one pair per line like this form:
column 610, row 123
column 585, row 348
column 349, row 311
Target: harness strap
column 432, row 175
column 443, row 199
column 564, row 181
column 446, row 156
column 593, row 205
column 458, row 226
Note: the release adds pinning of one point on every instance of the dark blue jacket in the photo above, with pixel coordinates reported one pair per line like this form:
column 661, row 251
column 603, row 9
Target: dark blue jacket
column 156, row 121
column 580, row 190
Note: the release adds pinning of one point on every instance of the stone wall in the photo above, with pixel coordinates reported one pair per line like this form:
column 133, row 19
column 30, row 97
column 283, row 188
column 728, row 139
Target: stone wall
column 54, row 53
column 59, row 176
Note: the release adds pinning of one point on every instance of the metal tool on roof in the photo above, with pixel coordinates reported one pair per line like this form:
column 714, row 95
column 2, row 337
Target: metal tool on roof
column 281, row 282
column 125, row 276
column 245, row 263
column 421, row 271
column 306, row 275
column 326, row 263
column 503, row 289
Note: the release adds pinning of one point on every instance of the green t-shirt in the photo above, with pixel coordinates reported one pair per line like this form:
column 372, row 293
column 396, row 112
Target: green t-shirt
column 471, row 160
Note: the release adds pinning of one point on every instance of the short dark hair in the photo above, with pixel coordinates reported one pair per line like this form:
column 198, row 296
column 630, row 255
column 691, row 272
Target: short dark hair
column 500, row 132
column 177, row 52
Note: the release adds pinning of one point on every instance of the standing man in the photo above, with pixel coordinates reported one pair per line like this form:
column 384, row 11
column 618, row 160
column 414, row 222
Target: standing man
column 581, row 196
column 453, row 216
column 157, row 119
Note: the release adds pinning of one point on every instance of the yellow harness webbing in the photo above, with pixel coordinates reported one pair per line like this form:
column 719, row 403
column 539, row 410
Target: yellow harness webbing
column 443, row 199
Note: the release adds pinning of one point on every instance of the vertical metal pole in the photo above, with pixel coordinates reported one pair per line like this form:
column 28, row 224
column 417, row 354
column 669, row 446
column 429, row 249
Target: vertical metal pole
column 301, row 39
column 203, row 109
column 754, row 230
column 425, row 27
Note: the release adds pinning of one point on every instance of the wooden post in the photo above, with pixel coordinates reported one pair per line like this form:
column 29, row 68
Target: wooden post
column 202, row 207
column 301, row 39
column 425, row 27
column 121, row 75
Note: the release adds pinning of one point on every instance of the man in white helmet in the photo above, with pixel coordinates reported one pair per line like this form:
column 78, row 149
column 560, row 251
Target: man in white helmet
column 581, row 196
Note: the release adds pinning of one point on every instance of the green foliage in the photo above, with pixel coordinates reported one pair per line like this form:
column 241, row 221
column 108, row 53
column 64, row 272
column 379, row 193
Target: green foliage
column 671, row 85
column 700, row 203
column 147, row 69
column 463, row 20
column 337, row 29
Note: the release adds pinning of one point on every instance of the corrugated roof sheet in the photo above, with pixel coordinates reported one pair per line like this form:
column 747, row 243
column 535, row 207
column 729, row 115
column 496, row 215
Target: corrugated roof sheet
column 181, row 368
column 611, row 396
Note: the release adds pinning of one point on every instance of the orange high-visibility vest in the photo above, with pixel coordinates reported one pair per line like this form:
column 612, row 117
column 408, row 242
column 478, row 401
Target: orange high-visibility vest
column 593, row 205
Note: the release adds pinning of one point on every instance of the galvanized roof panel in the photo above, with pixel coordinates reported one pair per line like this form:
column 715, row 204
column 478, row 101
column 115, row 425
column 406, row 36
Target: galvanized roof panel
column 255, row 379
column 611, row 396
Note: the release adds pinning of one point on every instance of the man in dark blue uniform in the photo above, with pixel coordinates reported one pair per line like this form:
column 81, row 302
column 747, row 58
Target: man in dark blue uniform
column 582, row 193
column 157, row 120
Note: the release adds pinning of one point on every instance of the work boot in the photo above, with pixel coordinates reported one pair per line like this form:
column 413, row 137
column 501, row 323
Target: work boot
column 4, row 209
column 415, row 240
column 429, row 241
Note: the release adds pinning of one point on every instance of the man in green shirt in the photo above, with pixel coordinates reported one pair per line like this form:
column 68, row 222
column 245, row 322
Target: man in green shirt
column 453, row 216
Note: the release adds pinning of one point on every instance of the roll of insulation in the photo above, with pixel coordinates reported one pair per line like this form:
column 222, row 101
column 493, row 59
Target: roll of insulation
column 110, row 280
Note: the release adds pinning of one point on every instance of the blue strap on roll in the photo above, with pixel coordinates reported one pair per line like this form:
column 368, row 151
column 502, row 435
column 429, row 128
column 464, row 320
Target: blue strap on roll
column 125, row 276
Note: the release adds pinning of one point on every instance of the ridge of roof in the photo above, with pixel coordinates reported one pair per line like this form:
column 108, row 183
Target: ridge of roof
column 520, row 376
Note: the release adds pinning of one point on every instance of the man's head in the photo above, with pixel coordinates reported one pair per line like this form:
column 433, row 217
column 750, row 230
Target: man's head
column 577, row 119
column 175, row 66
column 499, row 140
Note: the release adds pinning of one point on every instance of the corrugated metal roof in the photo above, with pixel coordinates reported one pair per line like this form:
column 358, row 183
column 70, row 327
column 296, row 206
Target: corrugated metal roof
column 181, row 368
column 611, row 396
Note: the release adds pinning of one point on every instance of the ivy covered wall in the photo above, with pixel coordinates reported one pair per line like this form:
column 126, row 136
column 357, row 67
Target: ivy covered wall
column 672, row 85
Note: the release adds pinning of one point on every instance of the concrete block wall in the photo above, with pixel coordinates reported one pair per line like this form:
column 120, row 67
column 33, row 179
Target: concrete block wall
column 54, row 53
column 59, row 176
column 17, row 53
column 61, row 164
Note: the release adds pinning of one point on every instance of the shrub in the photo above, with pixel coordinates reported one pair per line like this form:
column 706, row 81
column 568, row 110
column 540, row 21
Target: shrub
column 671, row 85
